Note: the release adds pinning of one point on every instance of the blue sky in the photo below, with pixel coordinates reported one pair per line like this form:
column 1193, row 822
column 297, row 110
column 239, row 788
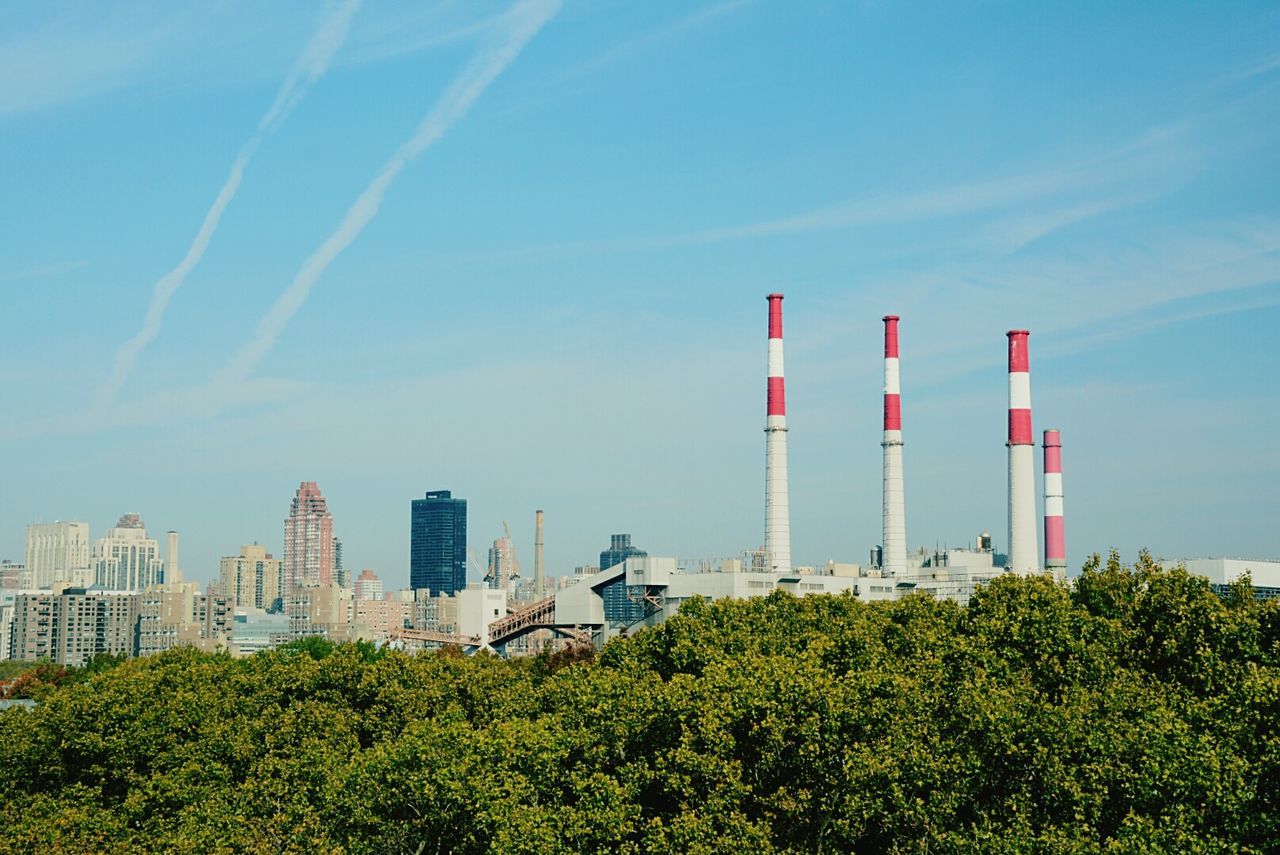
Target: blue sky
column 558, row 302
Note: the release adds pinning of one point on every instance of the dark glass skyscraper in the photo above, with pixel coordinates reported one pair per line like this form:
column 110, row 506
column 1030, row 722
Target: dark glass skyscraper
column 438, row 543
column 620, row 549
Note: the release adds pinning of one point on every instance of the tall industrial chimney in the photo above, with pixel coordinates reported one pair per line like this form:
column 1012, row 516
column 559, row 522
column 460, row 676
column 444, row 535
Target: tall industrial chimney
column 172, row 572
column 777, row 514
column 1024, row 551
column 538, row 583
column 1055, row 542
column 894, row 541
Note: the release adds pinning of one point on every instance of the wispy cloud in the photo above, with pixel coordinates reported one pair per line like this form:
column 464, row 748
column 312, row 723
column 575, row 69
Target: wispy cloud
column 639, row 43
column 63, row 59
column 42, row 271
column 399, row 32
column 524, row 21
column 310, row 66
column 1023, row 229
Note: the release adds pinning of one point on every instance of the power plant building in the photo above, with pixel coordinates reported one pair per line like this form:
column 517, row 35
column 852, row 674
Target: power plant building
column 1263, row 575
column 646, row 590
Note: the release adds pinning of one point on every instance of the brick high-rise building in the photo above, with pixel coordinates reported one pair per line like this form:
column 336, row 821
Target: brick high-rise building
column 308, row 542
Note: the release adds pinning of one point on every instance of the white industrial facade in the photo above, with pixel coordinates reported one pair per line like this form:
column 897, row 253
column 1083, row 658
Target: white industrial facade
column 1223, row 571
column 646, row 591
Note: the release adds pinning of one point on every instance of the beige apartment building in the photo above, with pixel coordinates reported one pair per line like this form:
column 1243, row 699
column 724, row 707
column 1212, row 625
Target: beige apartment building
column 251, row 579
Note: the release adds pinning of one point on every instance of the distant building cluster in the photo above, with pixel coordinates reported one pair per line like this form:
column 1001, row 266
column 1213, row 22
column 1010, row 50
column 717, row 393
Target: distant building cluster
column 74, row 597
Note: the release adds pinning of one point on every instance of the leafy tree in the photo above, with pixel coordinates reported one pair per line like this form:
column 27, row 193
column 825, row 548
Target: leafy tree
column 1132, row 712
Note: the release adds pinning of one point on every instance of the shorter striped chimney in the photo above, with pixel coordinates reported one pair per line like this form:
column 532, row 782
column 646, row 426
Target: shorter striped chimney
column 1055, row 542
column 1024, row 551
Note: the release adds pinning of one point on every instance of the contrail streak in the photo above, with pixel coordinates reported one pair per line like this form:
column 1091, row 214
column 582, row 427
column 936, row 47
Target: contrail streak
column 526, row 18
column 310, row 66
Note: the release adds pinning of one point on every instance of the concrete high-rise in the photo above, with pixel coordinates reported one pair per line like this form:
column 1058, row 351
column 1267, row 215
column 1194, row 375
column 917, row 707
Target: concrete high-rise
column 57, row 552
column 438, row 543
column 126, row 559
column 251, row 579
column 308, row 541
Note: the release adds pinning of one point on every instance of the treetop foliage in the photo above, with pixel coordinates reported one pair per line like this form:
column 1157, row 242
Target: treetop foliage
column 1135, row 712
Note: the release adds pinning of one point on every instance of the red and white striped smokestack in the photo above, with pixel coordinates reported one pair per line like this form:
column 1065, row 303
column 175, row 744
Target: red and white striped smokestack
column 1024, row 551
column 894, row 543
column 777, row 514
column 1055, row 541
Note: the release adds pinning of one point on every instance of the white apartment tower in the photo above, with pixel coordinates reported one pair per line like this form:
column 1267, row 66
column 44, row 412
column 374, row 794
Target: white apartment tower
column 126, row 559
column 56, row 552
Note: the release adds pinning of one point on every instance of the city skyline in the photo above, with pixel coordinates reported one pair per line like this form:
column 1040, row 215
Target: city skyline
column 557, row 303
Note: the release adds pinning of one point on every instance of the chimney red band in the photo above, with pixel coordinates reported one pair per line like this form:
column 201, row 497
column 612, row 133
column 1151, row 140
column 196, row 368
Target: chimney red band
column 777, row 397
column 1018, row 358
column 1020, row 427
column 1055, row 539
column 1052, row 451
column 893, row 412
column 775, row 315
column 891, row 336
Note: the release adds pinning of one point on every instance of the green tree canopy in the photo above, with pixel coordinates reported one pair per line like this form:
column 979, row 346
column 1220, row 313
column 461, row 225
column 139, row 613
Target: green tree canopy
column 1133, row 712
